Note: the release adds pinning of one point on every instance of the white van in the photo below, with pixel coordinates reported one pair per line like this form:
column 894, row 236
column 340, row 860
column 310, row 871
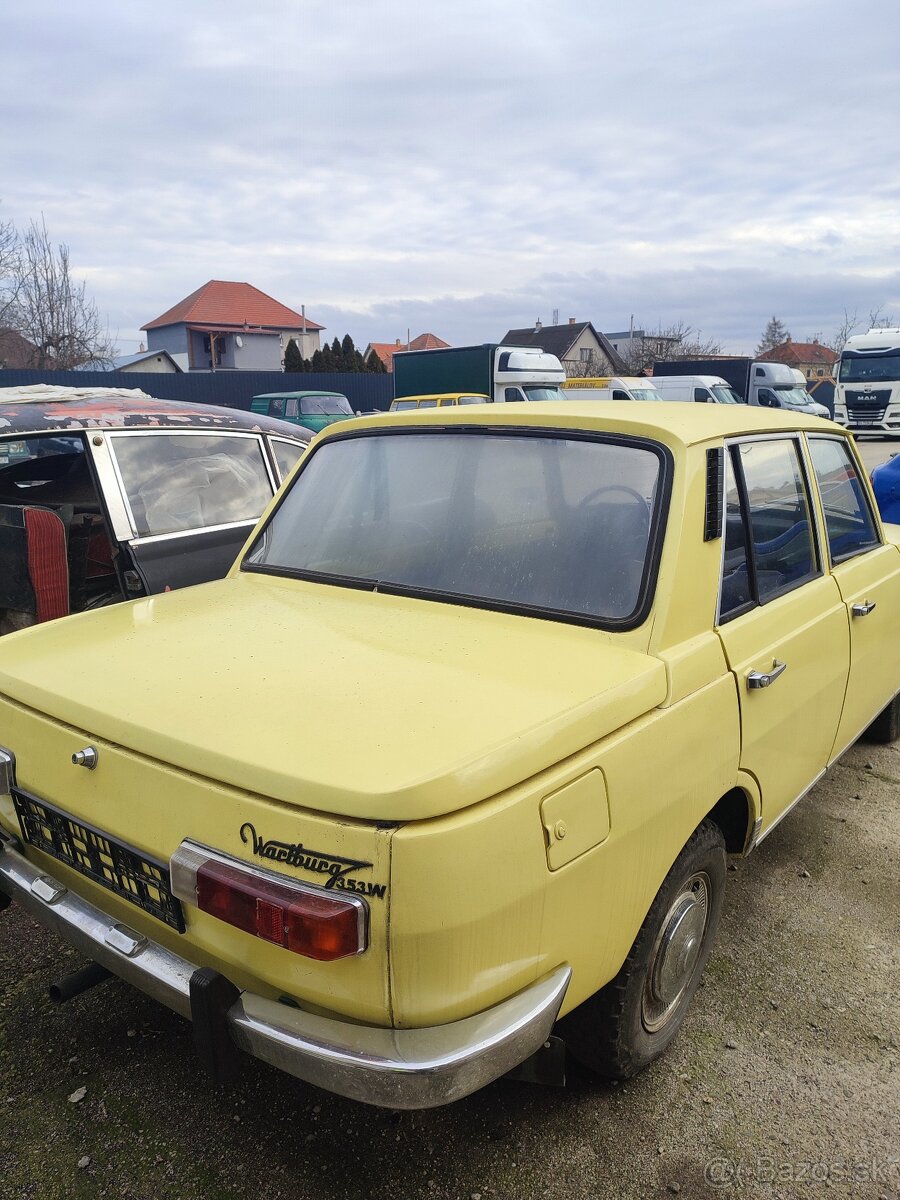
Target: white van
column 612, row 387
column 705, row 389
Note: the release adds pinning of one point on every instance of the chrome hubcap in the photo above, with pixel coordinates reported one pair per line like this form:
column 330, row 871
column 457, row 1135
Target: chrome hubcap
column 675, row 952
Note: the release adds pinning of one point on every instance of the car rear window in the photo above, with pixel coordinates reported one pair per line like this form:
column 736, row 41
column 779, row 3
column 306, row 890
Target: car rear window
column 564, row 524
column 175, row 482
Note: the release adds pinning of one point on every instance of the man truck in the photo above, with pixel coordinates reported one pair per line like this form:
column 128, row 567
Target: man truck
column 504, row 373
column 867, row 386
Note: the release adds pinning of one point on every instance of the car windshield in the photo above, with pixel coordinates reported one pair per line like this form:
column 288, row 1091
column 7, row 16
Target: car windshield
column 794, row 397
column 328, row 406
column 533, row 521
column 645, row 394
column 871, row 369
column 543, row 392
column 725, row 395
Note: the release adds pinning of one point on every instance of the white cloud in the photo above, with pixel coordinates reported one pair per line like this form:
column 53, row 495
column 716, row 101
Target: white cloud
column 471, row 166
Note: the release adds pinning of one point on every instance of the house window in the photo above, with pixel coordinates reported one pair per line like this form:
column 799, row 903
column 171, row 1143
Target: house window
column 587, row 354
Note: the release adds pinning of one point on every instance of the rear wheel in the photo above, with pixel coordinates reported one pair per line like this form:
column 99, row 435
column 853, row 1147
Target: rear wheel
column 886, row 726
column 633, row 1019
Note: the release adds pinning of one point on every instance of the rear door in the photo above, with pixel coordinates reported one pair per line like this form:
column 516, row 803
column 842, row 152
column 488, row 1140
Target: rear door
column 782, row 622
column 868, row 575
column 183, row 500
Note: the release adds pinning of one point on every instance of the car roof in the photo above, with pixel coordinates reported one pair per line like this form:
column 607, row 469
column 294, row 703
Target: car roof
column 665, row 421
column 438, row 396
column 45, row 409
column 297, row 395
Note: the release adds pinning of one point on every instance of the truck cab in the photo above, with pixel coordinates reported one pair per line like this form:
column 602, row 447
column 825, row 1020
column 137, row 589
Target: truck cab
column 867, row 382
column 527, row 374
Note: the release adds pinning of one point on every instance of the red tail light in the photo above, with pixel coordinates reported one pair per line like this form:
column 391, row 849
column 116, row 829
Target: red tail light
column 307, row 920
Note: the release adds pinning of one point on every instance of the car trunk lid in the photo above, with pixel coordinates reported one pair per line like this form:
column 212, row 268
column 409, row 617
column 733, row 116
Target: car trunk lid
column 334, row 700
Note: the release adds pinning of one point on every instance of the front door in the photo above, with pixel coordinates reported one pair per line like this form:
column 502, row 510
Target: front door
column 867, row 573
column 782, row 623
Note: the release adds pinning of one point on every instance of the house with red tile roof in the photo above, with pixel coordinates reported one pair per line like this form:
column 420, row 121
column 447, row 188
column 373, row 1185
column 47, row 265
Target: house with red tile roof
column 386, row 350
column 226, row 326
column 812, row 358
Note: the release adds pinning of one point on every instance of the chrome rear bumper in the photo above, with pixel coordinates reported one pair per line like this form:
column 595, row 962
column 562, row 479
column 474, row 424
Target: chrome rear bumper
column 394, row 1068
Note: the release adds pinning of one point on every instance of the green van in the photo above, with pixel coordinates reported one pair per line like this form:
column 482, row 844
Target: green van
column 312, row 409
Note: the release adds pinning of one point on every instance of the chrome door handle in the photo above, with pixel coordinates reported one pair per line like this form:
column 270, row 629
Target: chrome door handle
column 862, row 610
column 757, row 679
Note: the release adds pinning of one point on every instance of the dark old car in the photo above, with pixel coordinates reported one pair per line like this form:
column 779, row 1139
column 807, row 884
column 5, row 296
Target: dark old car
column 107, row 494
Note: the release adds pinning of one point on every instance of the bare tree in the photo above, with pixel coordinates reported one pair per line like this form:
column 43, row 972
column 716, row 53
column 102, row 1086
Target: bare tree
column 597, row 366
column 53, row 311
column 10, row 271
column 881, row 320
column 668, row 344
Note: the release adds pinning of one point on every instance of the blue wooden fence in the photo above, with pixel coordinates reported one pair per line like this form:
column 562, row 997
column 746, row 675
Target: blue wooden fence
column 232, row 389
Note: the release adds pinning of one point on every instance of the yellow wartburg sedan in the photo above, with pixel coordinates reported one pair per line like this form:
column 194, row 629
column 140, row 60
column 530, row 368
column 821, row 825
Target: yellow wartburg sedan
column 452, row 759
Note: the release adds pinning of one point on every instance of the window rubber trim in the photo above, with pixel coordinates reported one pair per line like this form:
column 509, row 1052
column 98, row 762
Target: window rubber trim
column 655, row 538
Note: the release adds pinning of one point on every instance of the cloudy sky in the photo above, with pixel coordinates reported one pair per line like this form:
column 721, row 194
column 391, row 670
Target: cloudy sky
column 465, row 167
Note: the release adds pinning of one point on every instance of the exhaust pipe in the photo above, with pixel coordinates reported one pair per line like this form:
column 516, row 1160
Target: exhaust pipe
column 78, row 982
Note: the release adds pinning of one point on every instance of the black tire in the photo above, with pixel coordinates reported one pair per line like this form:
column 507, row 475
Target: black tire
column 632, row 1020
column 886, row 726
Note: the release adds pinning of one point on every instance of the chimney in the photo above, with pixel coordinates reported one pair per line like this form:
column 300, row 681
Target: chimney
column 571, row 320
column 398, row 343
column 537, row 325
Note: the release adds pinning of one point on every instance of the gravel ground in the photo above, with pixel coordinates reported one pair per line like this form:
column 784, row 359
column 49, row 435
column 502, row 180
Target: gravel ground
column 784, row 1081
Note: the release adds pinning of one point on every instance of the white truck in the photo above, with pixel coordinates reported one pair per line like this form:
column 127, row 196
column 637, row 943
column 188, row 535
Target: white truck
column 769, row 384
column 504, row 373
column 867, row 382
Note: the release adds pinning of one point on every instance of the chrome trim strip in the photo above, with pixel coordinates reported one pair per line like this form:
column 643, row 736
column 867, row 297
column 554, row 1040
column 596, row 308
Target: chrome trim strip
column 394, row 1068
column 784, row 812
column 250, row 523
column 753, row 837
column 7, row 771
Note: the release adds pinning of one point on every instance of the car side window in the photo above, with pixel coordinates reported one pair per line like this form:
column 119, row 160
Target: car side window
column 848, row 517
column 781, row 531
column 286, row 454
column 736, row 593
column 292, row 408
column 177, row 481
column 769, row 543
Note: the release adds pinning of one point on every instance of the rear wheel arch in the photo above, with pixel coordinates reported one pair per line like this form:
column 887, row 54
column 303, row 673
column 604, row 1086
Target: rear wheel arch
column 734, row 814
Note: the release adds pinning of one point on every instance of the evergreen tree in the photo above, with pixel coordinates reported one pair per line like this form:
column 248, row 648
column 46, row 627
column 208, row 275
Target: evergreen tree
column 293, row 359
column 375, row 365
column 348, row 354
column 773, row 335
column 317, row 363
column 337, row 355
column 327, row 358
